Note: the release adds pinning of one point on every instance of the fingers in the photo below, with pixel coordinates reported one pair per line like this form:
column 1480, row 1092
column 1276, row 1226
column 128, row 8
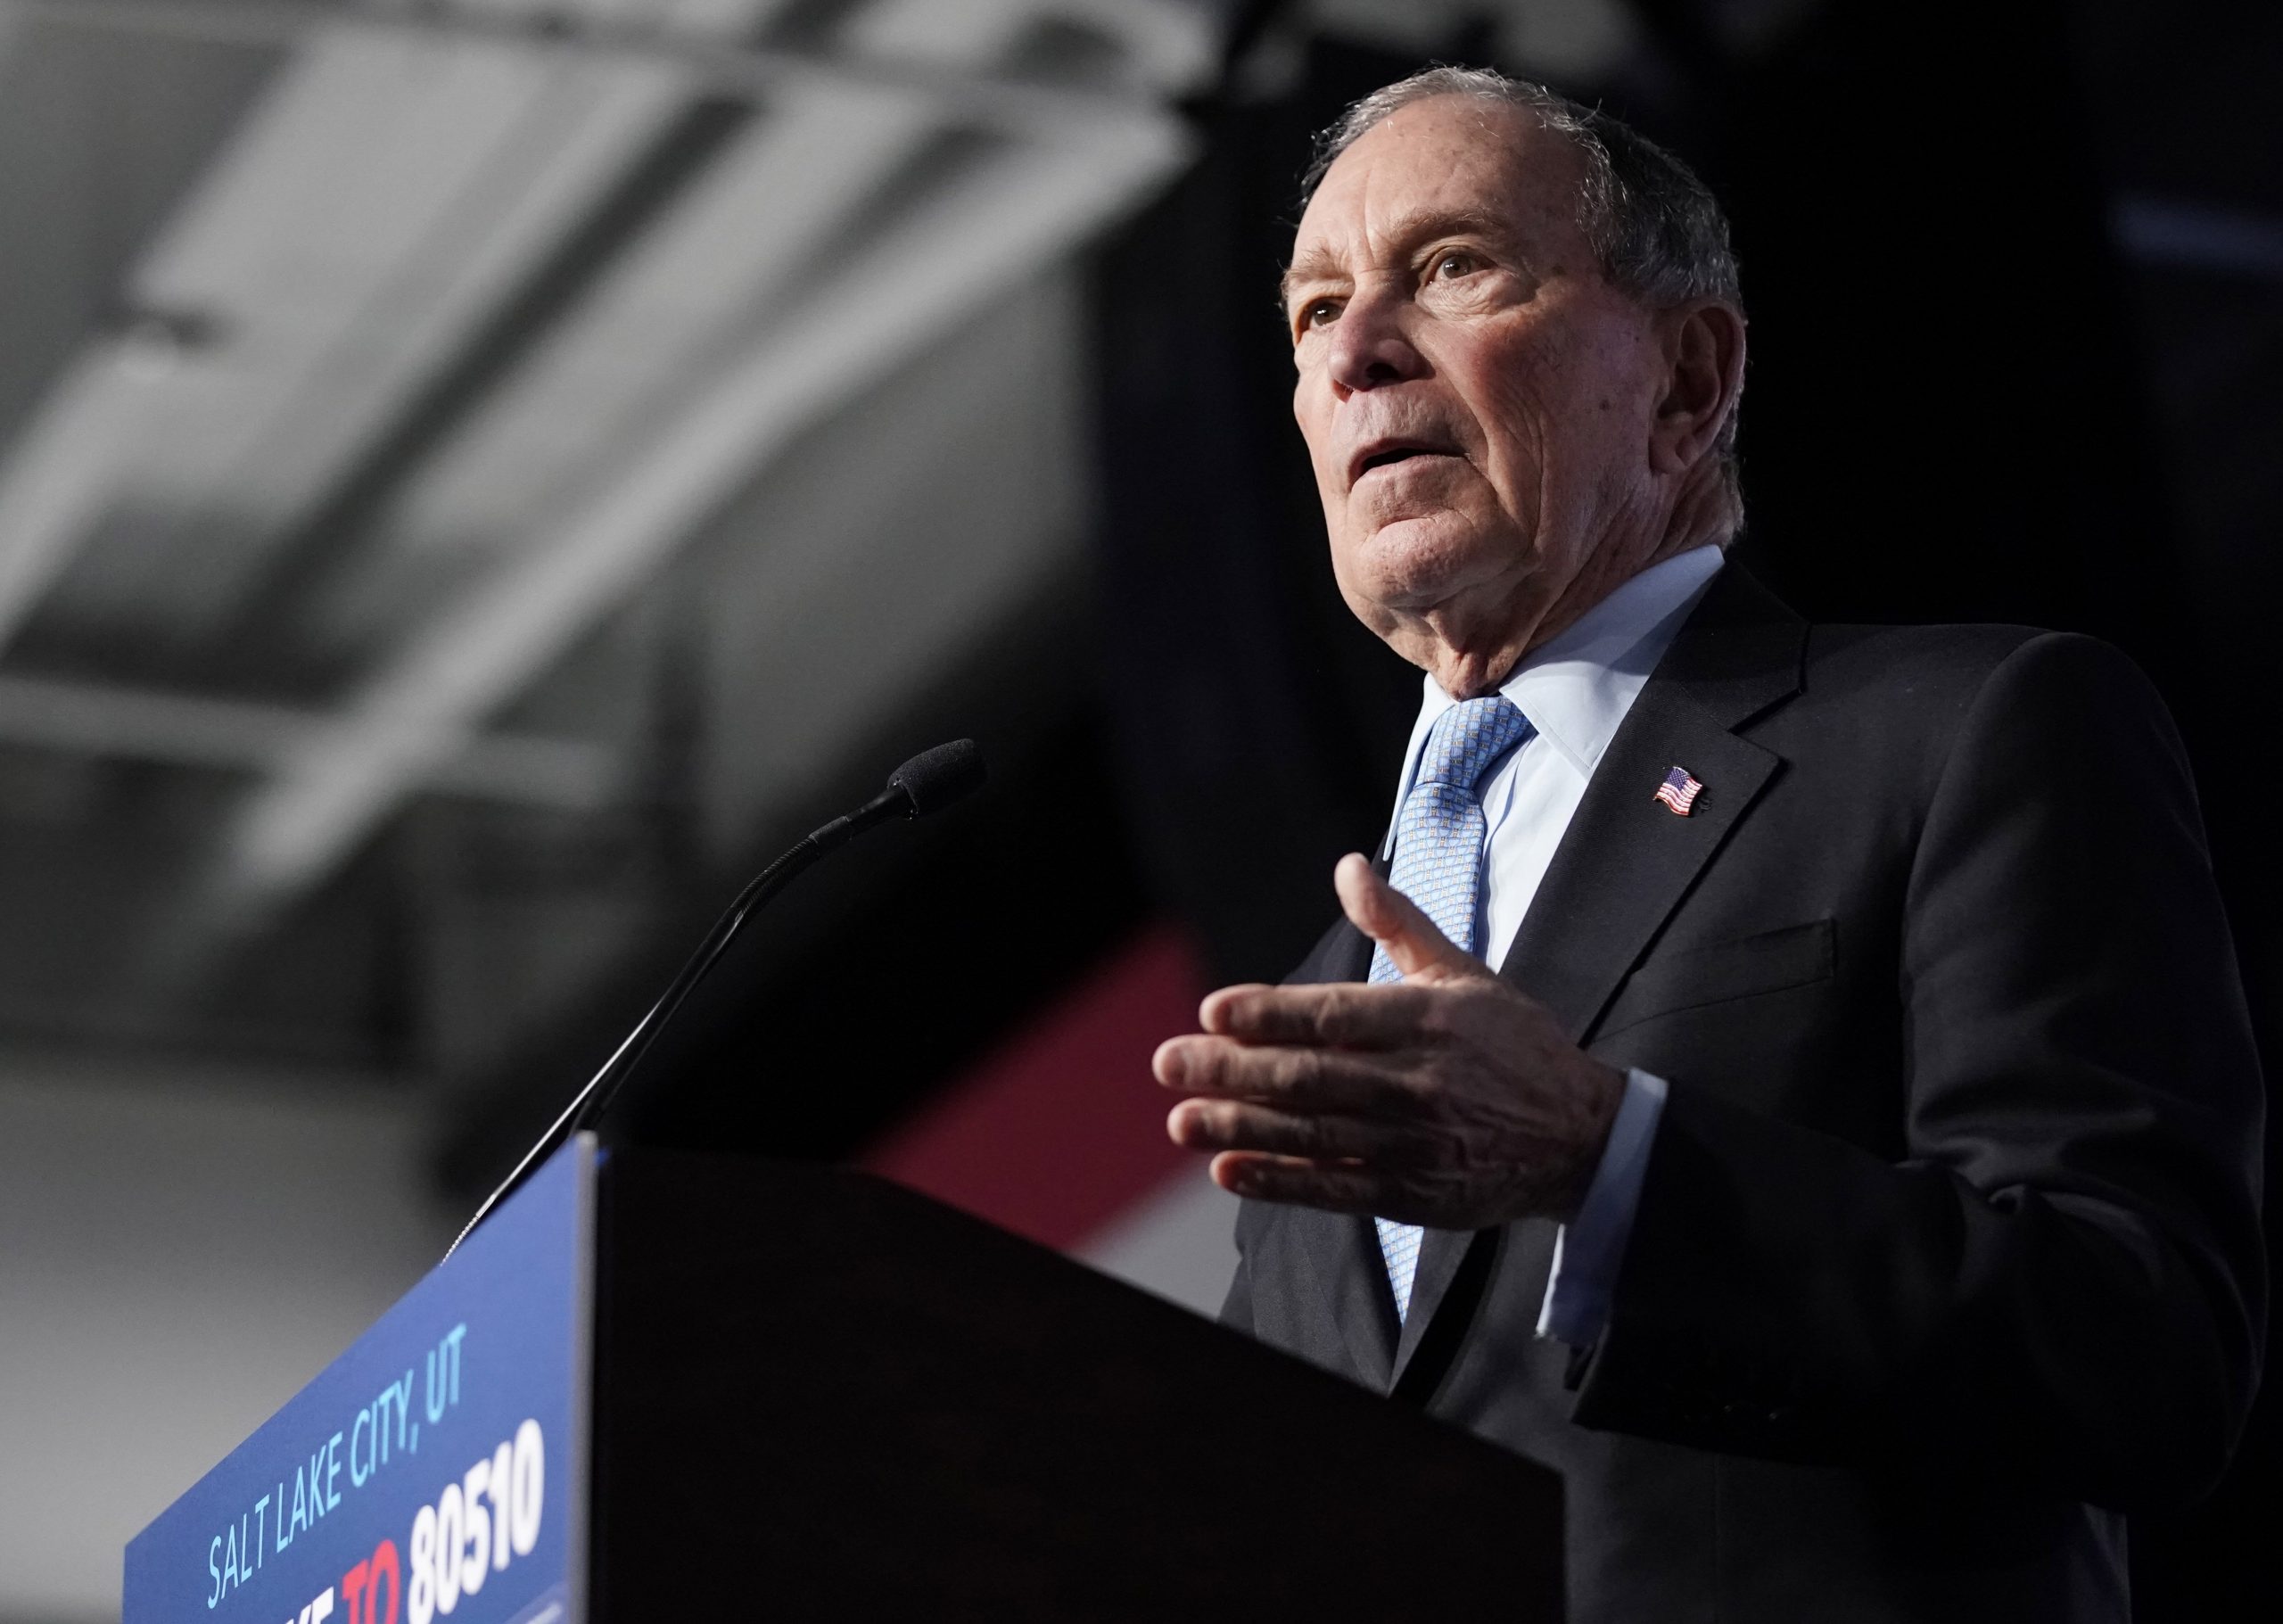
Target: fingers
column 1343, row 1014
column 1351, row 1014
column 1233, row 1125
column 1395, row 923
column 1293, row 1179
column 1316, row 1079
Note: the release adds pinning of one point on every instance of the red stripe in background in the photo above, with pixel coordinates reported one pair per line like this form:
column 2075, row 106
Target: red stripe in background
column 1062, row 1129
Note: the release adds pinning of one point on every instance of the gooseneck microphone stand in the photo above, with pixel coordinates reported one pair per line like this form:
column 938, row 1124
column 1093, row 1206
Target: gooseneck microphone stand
column 927, row 783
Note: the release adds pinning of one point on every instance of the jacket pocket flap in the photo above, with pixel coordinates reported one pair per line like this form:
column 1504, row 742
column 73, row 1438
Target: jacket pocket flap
column 1768, row 961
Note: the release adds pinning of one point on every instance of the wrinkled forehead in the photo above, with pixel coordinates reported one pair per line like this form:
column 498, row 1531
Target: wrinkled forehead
column 1455, row 158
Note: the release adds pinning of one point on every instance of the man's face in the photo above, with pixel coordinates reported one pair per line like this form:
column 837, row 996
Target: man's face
column 1476, row 399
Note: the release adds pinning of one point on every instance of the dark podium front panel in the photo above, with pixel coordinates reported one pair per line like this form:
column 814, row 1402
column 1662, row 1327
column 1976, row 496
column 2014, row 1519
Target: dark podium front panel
column 820, row 1396
column 660, row 1386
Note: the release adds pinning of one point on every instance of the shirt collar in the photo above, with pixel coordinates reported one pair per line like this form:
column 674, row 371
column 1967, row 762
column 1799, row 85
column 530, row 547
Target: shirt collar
column 1577, row 687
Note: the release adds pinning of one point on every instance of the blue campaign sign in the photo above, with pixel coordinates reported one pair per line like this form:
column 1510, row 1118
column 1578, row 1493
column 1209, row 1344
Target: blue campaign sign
column 436, row 1471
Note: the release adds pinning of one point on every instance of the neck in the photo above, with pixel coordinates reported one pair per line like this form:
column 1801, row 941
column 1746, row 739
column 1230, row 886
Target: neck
column 1703, row 512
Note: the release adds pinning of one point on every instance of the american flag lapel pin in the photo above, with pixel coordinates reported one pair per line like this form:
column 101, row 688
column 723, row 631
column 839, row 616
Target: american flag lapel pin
column 1679, row 791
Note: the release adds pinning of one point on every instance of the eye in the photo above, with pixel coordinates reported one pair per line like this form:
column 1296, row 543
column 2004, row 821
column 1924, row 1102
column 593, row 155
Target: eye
column 1456, row 263
column 1319, row 313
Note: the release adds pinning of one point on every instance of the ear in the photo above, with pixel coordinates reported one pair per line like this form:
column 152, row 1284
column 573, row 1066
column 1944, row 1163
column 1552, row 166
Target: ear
column 1704, row 373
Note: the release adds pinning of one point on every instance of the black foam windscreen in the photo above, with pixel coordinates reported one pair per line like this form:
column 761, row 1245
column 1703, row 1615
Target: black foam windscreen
column 935, row 779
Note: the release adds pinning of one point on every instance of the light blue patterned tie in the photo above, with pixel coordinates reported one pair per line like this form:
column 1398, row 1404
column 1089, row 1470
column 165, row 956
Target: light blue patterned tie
column 1439, row 866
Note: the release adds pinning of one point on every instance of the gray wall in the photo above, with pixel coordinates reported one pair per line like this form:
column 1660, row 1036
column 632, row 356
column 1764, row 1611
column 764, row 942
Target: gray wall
column 179, row 1252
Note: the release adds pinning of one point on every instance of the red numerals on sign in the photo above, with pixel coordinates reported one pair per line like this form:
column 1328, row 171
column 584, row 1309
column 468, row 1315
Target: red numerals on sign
column 360, row 1586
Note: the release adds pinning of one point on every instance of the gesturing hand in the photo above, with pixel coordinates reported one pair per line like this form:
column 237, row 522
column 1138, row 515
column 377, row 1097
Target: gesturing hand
column 1447, row 1099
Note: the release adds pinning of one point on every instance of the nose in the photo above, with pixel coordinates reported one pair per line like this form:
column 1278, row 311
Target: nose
column 1369, row 349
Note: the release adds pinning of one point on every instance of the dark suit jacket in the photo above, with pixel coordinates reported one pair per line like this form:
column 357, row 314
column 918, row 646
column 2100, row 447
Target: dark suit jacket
column 1947, row 1252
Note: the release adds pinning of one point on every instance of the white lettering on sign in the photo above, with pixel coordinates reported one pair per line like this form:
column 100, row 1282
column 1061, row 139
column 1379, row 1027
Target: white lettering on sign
column 476, row 1527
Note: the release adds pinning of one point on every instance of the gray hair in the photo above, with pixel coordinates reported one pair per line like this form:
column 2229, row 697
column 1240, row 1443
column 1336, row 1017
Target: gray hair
column 1657, row 231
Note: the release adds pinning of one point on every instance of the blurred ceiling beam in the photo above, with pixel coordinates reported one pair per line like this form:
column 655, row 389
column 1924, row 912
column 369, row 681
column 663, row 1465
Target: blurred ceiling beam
column 665, row 316
column 370, row 211
column 180, row 730
column 56, row 478
column 338, row 253
column 711, row 64
column 998, row 225
column 328, row 308
column 943, row 222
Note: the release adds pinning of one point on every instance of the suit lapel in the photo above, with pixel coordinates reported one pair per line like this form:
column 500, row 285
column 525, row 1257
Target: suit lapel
column 1440, row 1253
column 1342, row 1252
column 1626, row 860
column 1622, row 866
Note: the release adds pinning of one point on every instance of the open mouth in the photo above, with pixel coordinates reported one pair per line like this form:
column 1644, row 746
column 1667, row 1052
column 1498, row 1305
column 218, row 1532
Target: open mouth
column 1389, row 454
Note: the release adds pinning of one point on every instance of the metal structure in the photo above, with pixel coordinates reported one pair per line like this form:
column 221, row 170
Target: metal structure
column 377, row 364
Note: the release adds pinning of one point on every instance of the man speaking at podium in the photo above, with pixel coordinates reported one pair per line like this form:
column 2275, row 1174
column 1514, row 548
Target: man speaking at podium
column 1792, row 1079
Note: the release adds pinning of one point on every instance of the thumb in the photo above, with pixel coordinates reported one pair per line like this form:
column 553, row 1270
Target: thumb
column 1392, row 920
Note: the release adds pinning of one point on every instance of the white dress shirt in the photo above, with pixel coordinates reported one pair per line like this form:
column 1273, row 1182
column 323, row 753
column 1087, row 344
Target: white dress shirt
column 1575, row 690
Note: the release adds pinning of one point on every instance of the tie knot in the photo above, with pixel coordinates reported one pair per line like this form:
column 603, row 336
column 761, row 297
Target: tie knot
column 1468, row 740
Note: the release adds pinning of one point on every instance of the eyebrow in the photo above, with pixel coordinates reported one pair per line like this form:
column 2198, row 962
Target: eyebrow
column 1418, row 225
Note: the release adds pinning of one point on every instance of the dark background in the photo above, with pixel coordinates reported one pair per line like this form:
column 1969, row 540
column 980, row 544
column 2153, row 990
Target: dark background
column 1984, row 386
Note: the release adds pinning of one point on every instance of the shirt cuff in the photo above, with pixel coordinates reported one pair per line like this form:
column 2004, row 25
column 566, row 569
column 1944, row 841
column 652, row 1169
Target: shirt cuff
column 1589, row 1247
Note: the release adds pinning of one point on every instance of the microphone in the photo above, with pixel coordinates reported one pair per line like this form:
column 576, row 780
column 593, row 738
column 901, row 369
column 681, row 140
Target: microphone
column 934, row 779
column 924, row 785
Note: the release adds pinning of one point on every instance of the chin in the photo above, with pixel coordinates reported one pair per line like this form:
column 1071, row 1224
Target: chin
column 1410, row 563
